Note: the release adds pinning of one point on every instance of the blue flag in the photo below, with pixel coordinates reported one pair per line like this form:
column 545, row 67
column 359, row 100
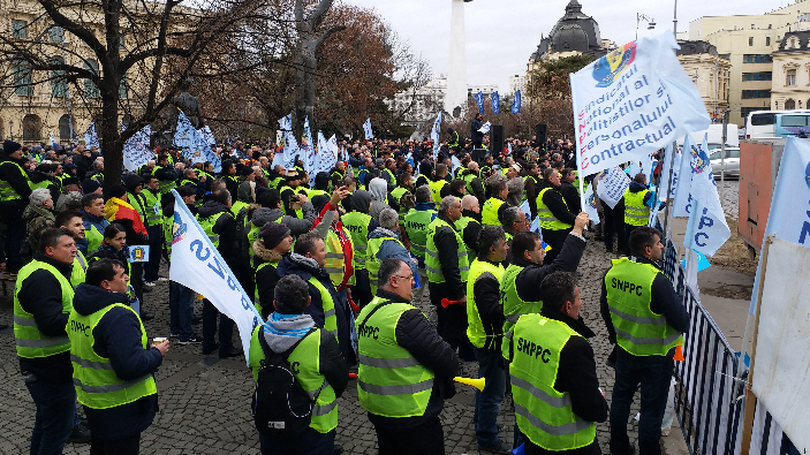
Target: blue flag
column 479, row 100
column 516, row 103
column 495, row 102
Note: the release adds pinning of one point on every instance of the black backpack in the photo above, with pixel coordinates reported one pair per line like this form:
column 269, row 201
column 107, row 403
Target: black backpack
column 281, row 406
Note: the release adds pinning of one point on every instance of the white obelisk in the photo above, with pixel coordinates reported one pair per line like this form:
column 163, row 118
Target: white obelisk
column 456, row 95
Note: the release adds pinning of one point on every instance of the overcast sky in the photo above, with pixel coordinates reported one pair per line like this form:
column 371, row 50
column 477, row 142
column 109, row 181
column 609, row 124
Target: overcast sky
column 502, row 34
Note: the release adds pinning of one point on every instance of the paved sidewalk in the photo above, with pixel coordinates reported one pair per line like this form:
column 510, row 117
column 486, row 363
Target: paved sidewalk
column 205, row 401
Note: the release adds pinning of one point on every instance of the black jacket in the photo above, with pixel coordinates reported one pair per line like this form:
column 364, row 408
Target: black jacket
column 416, row 334
column 571, row 197
column 18, row 181
column 487, row 296
column 448, row 249
column 554, row 200
column 577, row 376
column 225, row 227
column 118, row 337
column 528, row 280
column 664, row 301
column 294, row 265
column 470, row 233
column 531, row 186
column 41, row 295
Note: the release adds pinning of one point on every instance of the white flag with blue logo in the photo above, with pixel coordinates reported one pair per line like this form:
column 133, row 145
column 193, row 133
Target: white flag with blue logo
column 434, row 135
column 325, row 159
column 307, row 148
column 590, row 205
column 287, row 157
column 197, row 265
column 707, row 229
column 90, row 136
column 136, row 149
column 194, row 146
column 632, row 102
column 367, row 129
column 690, row 160
column 53, row 141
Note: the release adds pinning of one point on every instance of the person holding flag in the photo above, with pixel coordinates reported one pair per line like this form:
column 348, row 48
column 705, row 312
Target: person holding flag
column 645, row 319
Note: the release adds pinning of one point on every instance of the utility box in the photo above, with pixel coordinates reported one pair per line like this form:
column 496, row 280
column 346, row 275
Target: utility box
column 759, row 164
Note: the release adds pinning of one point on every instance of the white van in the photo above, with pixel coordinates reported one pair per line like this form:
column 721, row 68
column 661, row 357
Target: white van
column 715, row 136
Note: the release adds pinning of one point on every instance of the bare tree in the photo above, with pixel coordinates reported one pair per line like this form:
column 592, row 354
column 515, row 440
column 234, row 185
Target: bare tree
column 141, row 50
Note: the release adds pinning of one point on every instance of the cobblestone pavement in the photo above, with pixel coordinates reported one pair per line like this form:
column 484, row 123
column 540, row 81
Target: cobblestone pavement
column 204, row 401
column 729, row 192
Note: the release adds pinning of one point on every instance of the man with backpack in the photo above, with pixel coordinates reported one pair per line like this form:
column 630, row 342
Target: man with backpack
column 301, row 419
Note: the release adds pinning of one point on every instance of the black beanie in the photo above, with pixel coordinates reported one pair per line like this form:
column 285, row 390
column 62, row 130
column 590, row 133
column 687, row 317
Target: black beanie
column 273, row 233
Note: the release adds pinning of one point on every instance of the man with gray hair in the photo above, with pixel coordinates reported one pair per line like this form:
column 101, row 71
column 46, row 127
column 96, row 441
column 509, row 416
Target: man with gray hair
column 384, row 243
column 514, row 221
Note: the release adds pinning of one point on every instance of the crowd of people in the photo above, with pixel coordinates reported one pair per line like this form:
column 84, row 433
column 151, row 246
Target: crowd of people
column 338, row 264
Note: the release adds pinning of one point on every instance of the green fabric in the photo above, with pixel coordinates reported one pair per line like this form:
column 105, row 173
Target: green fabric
column 461, row 225
column 547, row 219
column 31, row 343
column 357, row 224
column 416, row 226
column 208, row 223
column 544, row 414
column 164, row 186
column 306, row 358
column 97, row 384
column 489, row 213
column 373, row 265
column 432, row 265
column 635, row 212
column 390, row 382
column 475, row 326
column 513, row 305
column 94, row 238
column 79, row 271
column 639, row 330
column 328, row 303
column 436, row 188
column 154, row 211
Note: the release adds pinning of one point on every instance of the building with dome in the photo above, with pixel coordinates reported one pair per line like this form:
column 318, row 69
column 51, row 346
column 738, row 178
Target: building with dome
column 575, row 33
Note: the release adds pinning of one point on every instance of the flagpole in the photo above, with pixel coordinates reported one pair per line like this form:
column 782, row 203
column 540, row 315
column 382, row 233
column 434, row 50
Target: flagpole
column 669, row 186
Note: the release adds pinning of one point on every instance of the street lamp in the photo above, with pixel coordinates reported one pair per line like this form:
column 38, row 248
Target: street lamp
column 11, row 130
column 643, row 17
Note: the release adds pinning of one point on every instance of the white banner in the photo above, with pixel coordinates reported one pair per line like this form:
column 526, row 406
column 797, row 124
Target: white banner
column 485, row 128
column 136, row 149
column 367, row 129
column 611, row 185
column 590, row 205
column 197, row 265
column 633, row 102
column 434, row 135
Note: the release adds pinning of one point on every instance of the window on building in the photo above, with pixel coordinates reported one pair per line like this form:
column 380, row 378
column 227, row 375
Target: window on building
column 767, row 40
column 22, row 78
column 56, row 34
column 90, row 88
column 790, row 77
column 19, row 29
column 750, row 40
column 58, row 82
column 122, row 89
column 744, row 111
column 752, row 94
column 790, row 104
column 760, row 76
column 757, row 58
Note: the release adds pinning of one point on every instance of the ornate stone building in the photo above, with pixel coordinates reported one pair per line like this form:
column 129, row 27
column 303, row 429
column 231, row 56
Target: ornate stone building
column 710, row 73
column 575, row 33
column 790, row 87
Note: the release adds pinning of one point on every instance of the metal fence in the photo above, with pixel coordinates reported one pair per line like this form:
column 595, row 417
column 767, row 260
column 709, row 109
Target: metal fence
column 711, row 421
